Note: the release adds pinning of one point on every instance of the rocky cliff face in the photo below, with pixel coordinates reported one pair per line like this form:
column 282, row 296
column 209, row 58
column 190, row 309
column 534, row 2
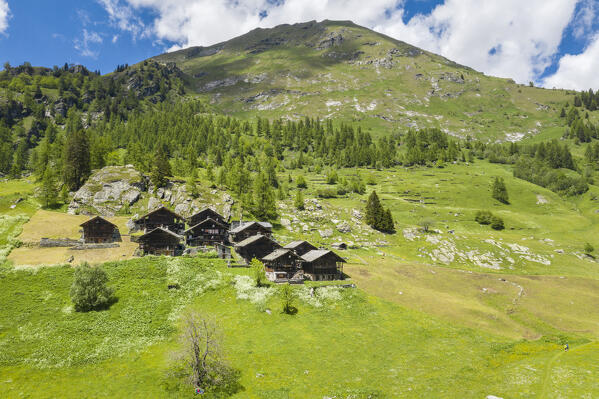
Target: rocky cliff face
column 108, row 190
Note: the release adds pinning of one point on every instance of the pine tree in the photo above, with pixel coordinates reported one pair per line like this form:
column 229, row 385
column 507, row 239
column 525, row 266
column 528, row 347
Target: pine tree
column 500, row 191
column 388, row 225
column 191, row 184
column 264, row 206
column 374, row 210
column 161, row 169
column 299, row 200
column 48, row 193
column 76, row 159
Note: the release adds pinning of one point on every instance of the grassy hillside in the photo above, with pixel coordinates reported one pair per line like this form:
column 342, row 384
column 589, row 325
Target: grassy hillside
column 341, row 70
column 342, row 342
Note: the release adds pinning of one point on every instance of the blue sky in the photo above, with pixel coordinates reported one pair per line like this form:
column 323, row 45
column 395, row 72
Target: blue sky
column 552, row 42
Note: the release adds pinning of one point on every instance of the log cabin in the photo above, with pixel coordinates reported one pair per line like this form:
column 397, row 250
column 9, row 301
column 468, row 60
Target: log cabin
column 206, row 232
column 322, row 264
column 257, row 246
column 248, row 229
column 99, row 230
column 300, row 247
column 283, row 265
column 161, row 217
column 207, row 213
column 160, row 241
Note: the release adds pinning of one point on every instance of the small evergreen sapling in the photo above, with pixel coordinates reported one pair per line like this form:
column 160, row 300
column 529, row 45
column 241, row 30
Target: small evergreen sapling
column 500, row 191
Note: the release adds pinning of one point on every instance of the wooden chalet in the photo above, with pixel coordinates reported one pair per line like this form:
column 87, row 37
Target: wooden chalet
column 99, row 230
column 249, row 229
column 206, row 232
column 257, row 246
column 300, row 247
column 283, row 265
column 207, row 213
column 160, row 241
column 161, row 217
column 322, row 264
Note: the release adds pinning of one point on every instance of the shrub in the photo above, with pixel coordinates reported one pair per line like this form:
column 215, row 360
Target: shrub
column 497, row 223
column 588, row 248
column 483, row 217
column 326, row 193
column 258, row 272
column 287, row 299
column 301, row 182
column 89, row 290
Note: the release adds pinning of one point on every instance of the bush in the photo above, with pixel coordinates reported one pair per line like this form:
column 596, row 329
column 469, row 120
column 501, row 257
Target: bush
column 326, row 193
column 89, row 290
column 588, row 248
column 497, row 223
column 332, row 177
column 483, row 217
column 258, row 272
column 287, row 299
column 301, row 182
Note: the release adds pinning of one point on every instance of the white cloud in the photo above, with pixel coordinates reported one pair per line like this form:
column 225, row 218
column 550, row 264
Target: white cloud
column 123, row 17
column 4, row 15
column 578, row 71
column 509, row 38
column 84, row 44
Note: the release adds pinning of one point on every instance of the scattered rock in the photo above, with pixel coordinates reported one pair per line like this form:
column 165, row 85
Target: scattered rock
column 344, row 227
column 326, row 233
column 70, row 259
column 154, row 203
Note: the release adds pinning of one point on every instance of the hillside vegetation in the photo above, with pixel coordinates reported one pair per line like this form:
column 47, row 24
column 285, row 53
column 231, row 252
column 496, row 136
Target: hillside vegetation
column 476, row 269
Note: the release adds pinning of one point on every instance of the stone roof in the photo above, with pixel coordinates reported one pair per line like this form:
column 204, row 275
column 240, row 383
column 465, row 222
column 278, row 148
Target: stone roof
column 315, row 254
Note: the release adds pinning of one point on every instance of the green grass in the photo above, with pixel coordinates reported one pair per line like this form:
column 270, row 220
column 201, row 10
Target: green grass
column 344, row 343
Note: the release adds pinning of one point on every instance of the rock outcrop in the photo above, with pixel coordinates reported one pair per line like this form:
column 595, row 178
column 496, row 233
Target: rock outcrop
column 108, row 190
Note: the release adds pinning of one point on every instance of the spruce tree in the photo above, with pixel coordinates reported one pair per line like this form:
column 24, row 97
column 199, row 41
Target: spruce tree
column 500, row 191
column 48, row 193
column 374, row 210
column 76, row 159
column 264, row 206
column 388, row 225
column 299, row 200
column 161, row 168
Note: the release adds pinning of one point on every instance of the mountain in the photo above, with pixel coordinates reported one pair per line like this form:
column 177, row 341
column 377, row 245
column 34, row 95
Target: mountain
column 337, row 69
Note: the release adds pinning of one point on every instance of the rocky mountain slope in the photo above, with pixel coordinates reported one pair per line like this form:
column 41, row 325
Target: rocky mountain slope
column 334, row 69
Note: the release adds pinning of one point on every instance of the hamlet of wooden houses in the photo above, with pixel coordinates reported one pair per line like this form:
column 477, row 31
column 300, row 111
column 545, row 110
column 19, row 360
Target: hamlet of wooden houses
column 164, row 232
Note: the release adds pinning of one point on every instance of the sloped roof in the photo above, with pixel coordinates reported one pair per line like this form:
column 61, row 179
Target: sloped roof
column 160, row 229
column 295, row 244
column 315, row 254
column 253, row 239
column 207, row 209
column 97, row 218
column 277, row 253
column 162, row 208
column 209, row 220
column 245, row 225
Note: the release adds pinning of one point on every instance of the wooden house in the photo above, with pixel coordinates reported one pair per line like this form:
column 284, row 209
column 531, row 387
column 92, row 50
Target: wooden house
column 300, row 247
column 160, row 241
column 249, row 229
column 161, row 217
column 322, row 264
column 206, row 232
column 207, row 213
column 99, row 230
column 282, row 265
column 257, row 246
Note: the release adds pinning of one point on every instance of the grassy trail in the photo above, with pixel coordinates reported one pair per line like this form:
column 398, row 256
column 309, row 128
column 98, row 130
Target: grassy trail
column 547, row 376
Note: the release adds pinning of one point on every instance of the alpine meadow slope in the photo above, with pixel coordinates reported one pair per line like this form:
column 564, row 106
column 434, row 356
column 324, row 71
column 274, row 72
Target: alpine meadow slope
column 337, row 69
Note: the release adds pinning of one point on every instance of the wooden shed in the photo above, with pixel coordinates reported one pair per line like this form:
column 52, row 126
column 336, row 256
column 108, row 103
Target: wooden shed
column 206, row 232
column 300, row 247
column 160, row 241
column 281, row 264
column 207, row 213
column 322, row 264
column 257, row 246
column 248, row 229
column 161, row 217
column 99, row 230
